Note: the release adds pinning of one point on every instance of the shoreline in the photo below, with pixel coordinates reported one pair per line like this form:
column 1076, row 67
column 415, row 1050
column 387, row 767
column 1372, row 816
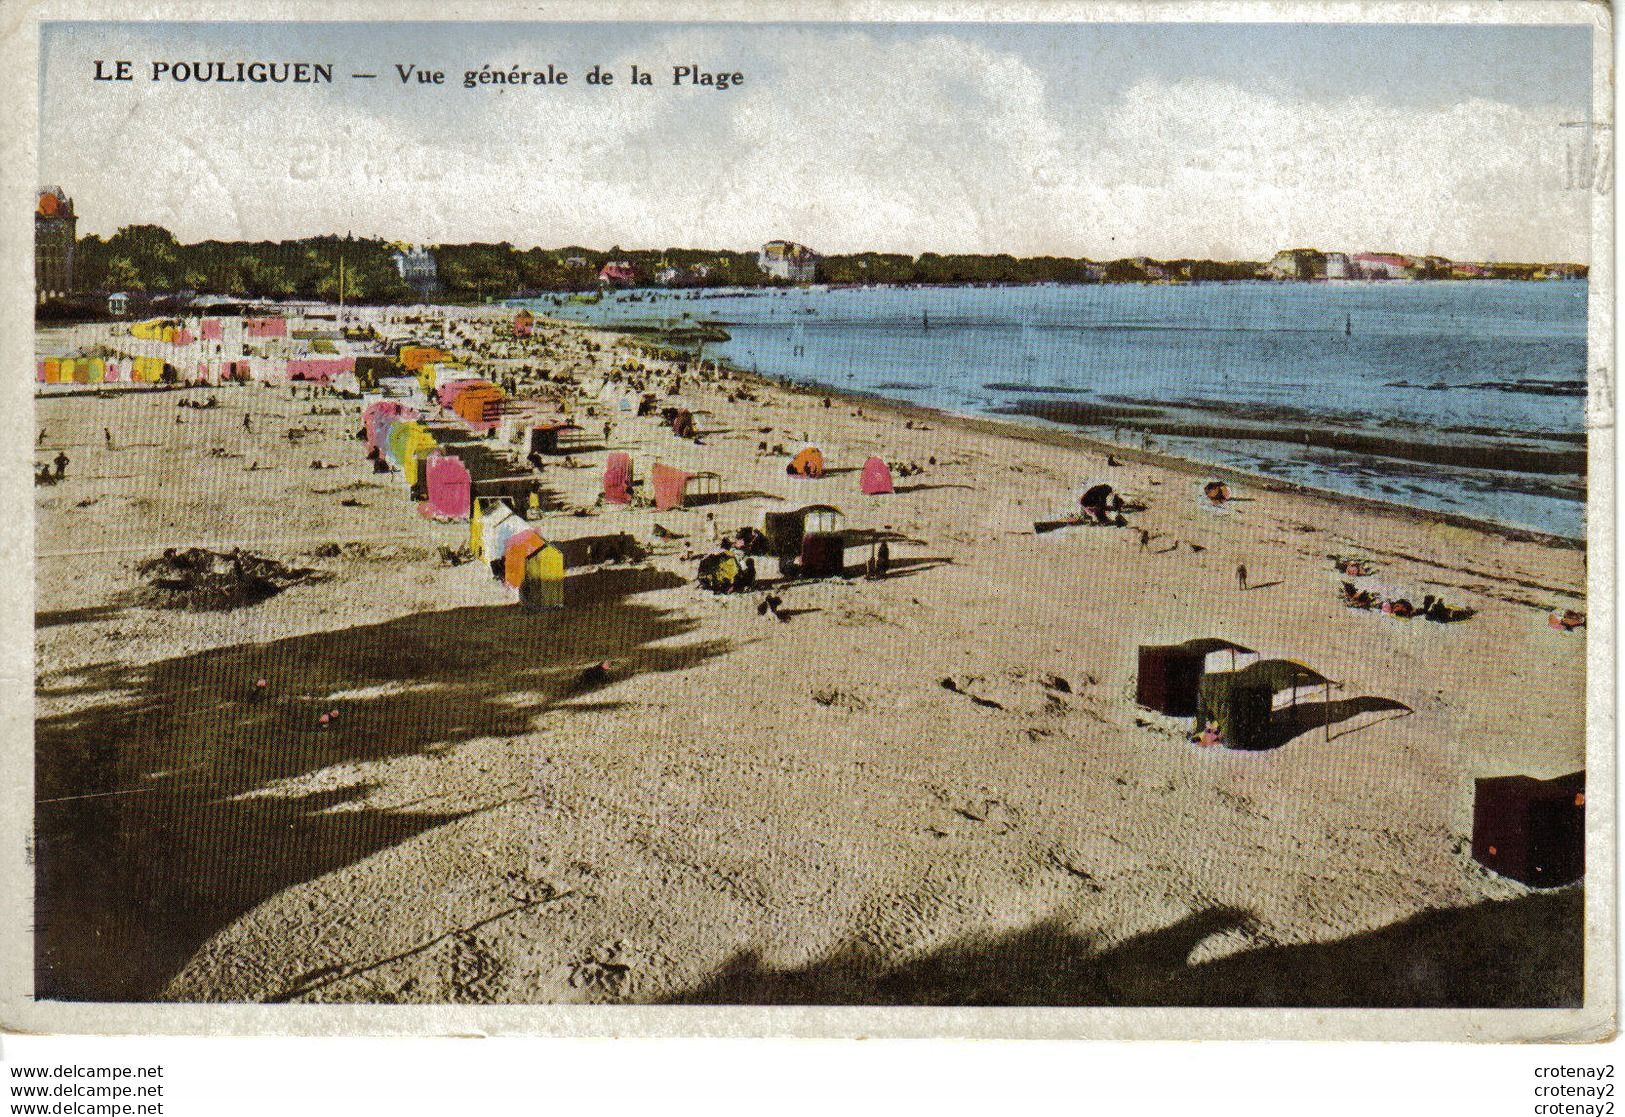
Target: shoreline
column 1078, row 440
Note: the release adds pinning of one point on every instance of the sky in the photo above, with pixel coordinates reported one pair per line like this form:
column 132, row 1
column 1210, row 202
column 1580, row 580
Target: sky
column 1098, row 140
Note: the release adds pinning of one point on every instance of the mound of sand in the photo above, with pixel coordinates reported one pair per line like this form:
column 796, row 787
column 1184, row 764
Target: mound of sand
column 200, row 579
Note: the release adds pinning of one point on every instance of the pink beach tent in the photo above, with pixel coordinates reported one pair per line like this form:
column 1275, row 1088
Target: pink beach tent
column 266, row 327
column 319, row 369
column 669, row 486
column 618, row 478
column 450, row 487
column 876, row 477
column 210, row 329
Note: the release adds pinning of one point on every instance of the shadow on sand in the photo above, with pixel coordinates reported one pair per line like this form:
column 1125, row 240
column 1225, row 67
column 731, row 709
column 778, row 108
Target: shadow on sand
column 1290, row 722
column 1521, row 953
column 709, row 500
column 926, row 487
column 148, row 839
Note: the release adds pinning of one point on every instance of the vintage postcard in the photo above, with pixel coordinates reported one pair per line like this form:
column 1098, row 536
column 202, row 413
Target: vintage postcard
column 1076, row 520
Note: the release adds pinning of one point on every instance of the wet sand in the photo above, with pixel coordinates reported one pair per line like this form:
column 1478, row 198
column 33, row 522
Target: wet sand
column 1420, row 447
column 752, row 810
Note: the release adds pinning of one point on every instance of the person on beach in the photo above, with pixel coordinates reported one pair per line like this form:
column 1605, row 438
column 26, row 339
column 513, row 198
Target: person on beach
column 248, row 423
column 61, row 464
column 40, row 441
column 879, row 562
column 1145, row 540
column 1241, row 575
column 107, row 433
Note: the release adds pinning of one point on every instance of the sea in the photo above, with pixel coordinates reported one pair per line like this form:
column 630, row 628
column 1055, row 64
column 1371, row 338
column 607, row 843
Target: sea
column 1466, row 397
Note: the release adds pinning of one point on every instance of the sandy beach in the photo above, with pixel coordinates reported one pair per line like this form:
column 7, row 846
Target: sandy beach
column 746, row 809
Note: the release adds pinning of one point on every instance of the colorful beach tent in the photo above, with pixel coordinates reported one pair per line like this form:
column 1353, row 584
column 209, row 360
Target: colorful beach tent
column 480, row 407
column 808, row 462
column 876, row 477
column 669, row 486
column 543, row 585
column 448, row 391
column 618, row 478
column 521, row 545
column 410, row 442
column 414, row 357
column 499, row 525
column 523, row 322
column 1216, row 491
column 377, row 418
column 319, row 370
column 1242, row 701
column 450, row 487
column 482, row 519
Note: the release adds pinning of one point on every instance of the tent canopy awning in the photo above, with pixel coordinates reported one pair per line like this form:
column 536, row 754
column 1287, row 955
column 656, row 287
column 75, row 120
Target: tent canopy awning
column 1281, row 674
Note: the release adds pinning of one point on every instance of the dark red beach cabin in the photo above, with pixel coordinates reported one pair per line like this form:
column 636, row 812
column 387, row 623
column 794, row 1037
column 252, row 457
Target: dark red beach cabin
column 823, row 554
column 1168, row 679
column 1170, row 675
column 1531, row 830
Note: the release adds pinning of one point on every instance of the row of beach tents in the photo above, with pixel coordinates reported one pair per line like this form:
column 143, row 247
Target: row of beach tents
column 672, row 486
column 100, row 370
column 514, row 551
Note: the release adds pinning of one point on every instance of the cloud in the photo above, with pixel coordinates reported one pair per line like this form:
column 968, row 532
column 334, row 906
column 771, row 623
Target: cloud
column 838, row 138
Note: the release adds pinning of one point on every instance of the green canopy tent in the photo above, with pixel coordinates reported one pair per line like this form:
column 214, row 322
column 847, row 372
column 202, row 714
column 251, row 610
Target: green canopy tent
column 1242, row 702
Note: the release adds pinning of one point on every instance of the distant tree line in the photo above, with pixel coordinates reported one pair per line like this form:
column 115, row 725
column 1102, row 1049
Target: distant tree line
column 147, row 259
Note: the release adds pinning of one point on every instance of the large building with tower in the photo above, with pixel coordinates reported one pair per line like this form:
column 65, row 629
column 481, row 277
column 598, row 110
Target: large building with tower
column 55, row 233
